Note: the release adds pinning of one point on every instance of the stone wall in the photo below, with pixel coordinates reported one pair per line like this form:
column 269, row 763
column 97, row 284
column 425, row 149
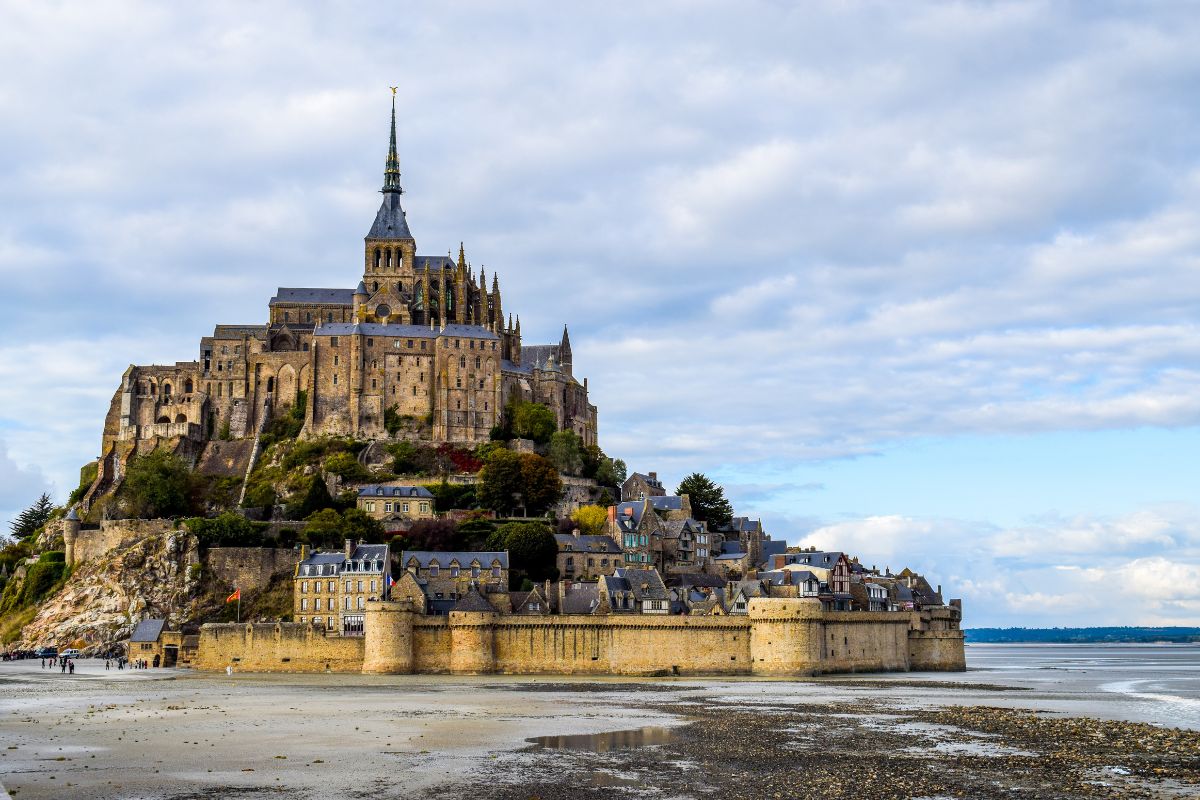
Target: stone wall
column 95, row 543
column 780, row 637
column 277, row 647
column 250, row 568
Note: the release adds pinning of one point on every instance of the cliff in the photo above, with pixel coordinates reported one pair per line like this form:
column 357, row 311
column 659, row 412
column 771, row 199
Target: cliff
column 104, row 599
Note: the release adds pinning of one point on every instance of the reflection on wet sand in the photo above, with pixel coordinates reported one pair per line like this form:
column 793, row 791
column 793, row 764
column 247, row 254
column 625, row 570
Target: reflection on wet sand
column 612, row 740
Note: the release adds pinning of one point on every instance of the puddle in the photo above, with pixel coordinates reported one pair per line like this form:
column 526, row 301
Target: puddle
column 611, row 740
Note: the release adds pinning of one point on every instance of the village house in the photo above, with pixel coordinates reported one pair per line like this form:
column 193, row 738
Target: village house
column 330, row 590
column 638, row 486
column 396, row 506
column 639, row 531
column 634, row 591
column 586, row 557
column 831, row 567
column 447, row 576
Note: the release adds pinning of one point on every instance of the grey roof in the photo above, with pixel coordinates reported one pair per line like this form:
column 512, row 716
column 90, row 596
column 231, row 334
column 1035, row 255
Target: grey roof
column 409, row 331
column 390, row 222
column 336, row 559
column 672, row 529
column 473, row 601
column 394, row 491
column 646, row 584
column 784, row 577
column 586, row 543
column 361, row 288
column 695, row 579
column 369, row 551
column 464, row 558
column 328, row 297
column 434, row 263
column 670, row 502
column 148, row 630
column 226, row 331
column 821, row 558
column 72, row 516
column 631, row 519
column 538, row 355
column 580, row 598
column 748, row 588
column 772, row 548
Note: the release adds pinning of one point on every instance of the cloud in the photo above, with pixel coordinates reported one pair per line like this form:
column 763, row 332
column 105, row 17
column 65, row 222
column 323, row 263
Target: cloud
column 20, row 486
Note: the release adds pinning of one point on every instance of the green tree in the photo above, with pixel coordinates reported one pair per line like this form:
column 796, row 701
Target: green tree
column 323, row 528
column 541, row 486
column 358, row 524
column 566, row 452
column 511, row 480
column 533, row 421
column 346, row 467
column 404, row 457
column 28, row 521
column 392, row 421
column 591, row 520
column 531, row 551
column 226, row 530
column 707, row 498
column 315, row 499
column 158, row 484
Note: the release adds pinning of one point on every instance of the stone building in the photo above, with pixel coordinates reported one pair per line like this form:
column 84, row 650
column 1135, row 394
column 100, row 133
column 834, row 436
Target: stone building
column 330, row 590
column 586, row 557
column 396, row 506
column 446, row 576
column 422, row 344
column 638, row 486
column 634, row 591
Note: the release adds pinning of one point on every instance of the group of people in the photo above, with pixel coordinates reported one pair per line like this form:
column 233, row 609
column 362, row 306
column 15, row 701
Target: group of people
column 64, row 664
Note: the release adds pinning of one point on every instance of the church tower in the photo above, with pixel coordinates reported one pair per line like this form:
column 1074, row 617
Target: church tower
column 388, row 275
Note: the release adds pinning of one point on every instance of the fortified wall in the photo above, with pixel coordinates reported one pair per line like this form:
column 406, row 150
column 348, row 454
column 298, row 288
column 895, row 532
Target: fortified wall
column 250, row 568
column 780, row 637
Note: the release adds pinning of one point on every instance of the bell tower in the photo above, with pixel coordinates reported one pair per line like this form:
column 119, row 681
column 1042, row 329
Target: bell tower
column 388, row 275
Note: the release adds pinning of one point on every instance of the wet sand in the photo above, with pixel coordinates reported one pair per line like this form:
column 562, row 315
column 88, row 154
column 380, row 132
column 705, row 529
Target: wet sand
column 179, row 734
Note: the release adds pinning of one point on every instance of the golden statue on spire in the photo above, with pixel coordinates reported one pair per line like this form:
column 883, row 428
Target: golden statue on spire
column 393, row 88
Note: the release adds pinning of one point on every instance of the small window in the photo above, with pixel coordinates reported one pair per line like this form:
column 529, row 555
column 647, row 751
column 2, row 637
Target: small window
column 333, row 341
column 335, row 380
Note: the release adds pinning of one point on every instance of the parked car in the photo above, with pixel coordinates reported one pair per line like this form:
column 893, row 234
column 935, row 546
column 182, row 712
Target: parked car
column 70, row 652
column 45, row 652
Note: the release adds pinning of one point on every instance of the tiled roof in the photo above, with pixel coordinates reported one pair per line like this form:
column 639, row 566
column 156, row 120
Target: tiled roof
column 148, row 630
column 310, row 296
column 394, row 491
column 695, row 579
column 670, row 502
column 646, row 584
column 822, row 559
column 580, row 598
column 473, row 601
column 464, row 558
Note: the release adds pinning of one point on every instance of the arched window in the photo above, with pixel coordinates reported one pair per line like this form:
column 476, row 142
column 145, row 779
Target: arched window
column 270, row 385
column 181, row 417
column 462, row 362
column 477, row 362
column 419, row 302
column 389, row 262
column 166, row 390
column 164, row 419
column 399, row 286
column 375, row 286
column 308, row 316
column 187, row 386
column 378, row 257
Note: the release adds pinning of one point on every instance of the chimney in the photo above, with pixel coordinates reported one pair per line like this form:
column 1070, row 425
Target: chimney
column 349, row 548
column 575, row 532
column 629, row 511
column 654, row 477
column 546, row 592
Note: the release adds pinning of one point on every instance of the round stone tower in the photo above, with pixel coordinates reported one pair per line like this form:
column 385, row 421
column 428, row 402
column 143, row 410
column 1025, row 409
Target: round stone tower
column 388, row 637
column 472, row 642
column 785, row 636
column 70, row 532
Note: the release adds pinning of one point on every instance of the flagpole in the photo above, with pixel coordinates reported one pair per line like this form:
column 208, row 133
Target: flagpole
column 238, row 590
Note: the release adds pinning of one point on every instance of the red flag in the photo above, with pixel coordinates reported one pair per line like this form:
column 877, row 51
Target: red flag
column 237, row 595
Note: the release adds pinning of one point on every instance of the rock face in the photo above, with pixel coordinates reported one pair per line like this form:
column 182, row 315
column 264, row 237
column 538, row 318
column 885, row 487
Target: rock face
column 104, row 599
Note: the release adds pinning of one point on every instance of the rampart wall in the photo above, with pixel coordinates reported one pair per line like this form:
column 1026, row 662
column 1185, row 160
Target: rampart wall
column 93, row 543
column 780, row 637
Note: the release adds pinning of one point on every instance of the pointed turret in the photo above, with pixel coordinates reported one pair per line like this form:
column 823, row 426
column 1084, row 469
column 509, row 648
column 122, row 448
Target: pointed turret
column 498, row 308
column 391, row 168
column 564, row 352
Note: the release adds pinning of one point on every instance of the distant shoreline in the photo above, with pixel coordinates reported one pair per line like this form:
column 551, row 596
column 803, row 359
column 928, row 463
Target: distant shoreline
column 1099, row 635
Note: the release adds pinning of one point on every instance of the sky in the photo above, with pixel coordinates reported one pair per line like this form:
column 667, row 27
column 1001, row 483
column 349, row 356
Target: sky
column 918, row 281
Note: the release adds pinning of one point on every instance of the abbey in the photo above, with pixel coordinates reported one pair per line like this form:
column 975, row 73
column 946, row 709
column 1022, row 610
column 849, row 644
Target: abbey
column 422, row 337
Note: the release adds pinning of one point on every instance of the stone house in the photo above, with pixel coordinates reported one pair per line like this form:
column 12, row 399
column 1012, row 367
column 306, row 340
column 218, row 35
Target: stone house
column 792, row 583
column 447, row 576
column 586, row 557
column 833, row 569
column 330, row 590
column 396, row 506
column 738, row 595
column 638, row 486
column 638, row 530
column 685, row 545
column 634, row 591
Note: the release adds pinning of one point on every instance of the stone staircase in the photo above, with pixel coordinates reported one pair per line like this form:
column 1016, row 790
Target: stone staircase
column 256, row 450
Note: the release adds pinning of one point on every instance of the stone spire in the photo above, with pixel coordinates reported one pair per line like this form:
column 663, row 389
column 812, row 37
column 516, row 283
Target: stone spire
column 391, row 170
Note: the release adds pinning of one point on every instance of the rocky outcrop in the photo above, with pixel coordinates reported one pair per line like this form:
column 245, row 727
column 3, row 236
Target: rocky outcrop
column 104, row 599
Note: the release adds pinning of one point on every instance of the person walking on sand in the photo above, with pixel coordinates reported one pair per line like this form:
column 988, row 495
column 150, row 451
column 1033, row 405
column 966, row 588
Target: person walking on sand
column 62, row 665
column 71, row 667
column 43, row 662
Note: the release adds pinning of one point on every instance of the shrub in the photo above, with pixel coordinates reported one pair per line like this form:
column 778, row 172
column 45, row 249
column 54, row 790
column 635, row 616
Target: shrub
column 531, row 551
column 158, row 485
column 533, row 421
column 53, row 557
column 346, row 467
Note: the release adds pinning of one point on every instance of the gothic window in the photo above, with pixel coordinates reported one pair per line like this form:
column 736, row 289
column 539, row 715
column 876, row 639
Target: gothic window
column 383, row 311
column 166, row 391
column 399, row 286
column 462, row 362
column 477, row 362
column 389, row 258
column 375, row 284
column 419, row 302
column 378, row 257
column 187, row 386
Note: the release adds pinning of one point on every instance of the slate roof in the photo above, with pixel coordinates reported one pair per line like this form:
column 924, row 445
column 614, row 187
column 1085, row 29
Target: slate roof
column 748, row 588
column 336, row 560
column 408, row 331
column 649, row 481
column 821, row 558
column 538, row 355
column 672, row 528
column 632, row 580
column 473, row 601
column 695, row 579
column 394, row 491
column 731, row 551
column 310, row 296
column 148, row 630
column 771, row 548
column 788, row 577
column 586, row 543
column 632, row 520
column 580, row 598
column 670, row 502
column 390, row 222
column 234, row 331
column 426, row 557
